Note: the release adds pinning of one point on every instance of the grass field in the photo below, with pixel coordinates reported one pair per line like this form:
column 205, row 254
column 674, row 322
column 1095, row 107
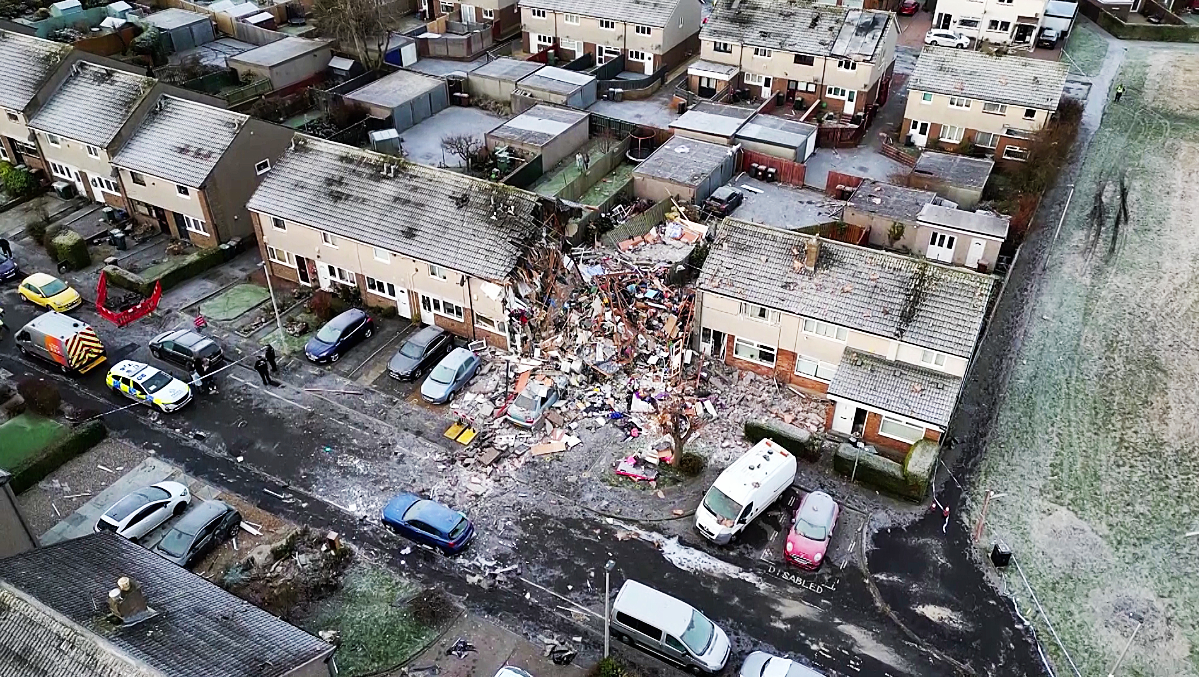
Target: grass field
column 1097, row 443
column 1085, row 48
column 24, row 436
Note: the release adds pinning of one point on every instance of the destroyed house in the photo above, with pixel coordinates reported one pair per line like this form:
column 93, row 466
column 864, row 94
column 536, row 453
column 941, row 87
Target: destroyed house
column 102, row 606
column 441, row 247
column 887, row 337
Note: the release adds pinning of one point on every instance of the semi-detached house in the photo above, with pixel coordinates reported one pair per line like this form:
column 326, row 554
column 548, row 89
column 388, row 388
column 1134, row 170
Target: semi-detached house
column 27, row 67
column 886, row 337
column 843, row 57
column 649, row 34
column 438, row 246
column 997, row 103
column 1004, row 22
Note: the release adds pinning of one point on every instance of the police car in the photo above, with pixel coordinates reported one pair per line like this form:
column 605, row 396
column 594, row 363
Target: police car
column 143, row 383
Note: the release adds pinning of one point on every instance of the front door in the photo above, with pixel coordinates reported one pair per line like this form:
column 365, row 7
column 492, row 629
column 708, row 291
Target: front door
column 468, row 13
column 403, row 304
column 850, row 97
column 975, row 254
column 181, row 227
column 943, row 21
column 919, row 133
column 81, row 185
column 605, row 54
column 302, row 271
column 1024, row 34
column 843, row 417
column 941, row 246
column 161, row 215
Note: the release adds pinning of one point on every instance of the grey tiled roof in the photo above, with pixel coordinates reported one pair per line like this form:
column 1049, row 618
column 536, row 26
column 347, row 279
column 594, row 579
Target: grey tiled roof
column 180, row 141
column 443, row 217
column 818, row 30
column 644, row 12
column 26, row 63
column 199, row 629
column 1015, row 80
column 881, row 293
column 898, row 387
column 955, row 170
column 891, row 201
column 92, row 104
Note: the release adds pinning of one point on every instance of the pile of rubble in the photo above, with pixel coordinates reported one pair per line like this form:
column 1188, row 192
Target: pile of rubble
column 286, row 576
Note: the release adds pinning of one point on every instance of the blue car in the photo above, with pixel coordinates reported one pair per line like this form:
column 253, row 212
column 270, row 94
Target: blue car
column 8, row 268
column 339, row 335
column 428, row 522
column 449, row 376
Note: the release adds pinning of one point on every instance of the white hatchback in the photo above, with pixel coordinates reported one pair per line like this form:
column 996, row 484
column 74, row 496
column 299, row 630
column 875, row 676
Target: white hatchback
column 938, row 37
column 143, row 510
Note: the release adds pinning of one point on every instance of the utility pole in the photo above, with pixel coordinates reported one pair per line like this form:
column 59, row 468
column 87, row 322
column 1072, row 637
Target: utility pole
column 608, row 567
column 1112, row 672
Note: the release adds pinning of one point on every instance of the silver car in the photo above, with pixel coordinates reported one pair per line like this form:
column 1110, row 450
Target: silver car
column 762, row 664
column 142, row 511
column 533, row 402
column 449, row 376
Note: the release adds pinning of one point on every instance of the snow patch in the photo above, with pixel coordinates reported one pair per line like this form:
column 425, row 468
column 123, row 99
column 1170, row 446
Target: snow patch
column 690, row 559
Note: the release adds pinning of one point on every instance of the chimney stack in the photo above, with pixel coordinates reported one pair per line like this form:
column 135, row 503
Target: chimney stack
column 127, row 602
column 811, row 252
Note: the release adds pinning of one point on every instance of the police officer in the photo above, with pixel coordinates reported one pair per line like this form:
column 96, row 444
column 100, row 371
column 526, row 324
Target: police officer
column 264, row 370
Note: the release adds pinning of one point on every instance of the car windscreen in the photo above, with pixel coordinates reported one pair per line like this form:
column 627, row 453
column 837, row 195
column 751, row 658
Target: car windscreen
column 412, row 350
column 156, row 382
column 720, row 505
column 137, row 499
column 443, row 374
column 176, row 543
column 459, row 529
column 811, row 531
column 525, row 402
column 329, row 333
column 105, row 525
column 699, row 633
column 53, row 287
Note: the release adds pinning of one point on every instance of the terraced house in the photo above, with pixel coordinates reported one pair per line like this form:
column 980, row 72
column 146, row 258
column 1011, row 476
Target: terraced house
column 960, row 97
column 842, row 57
column 1003, row 22
column 27, row 67
column 886, row 337
column 189, row 168
column 438, row 246
column 649, row 34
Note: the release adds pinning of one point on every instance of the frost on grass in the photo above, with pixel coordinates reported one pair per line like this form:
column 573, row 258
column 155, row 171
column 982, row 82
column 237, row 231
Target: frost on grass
column 1085, row 49
column 1096, row 443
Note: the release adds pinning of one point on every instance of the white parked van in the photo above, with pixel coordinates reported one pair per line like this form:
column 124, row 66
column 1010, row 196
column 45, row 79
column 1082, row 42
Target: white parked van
column 744, row 490
column 668, row 628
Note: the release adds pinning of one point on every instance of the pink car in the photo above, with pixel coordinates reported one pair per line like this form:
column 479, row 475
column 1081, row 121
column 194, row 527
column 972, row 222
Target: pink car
column 812, row 531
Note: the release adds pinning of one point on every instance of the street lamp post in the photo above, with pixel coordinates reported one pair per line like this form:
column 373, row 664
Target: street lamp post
column 608, row 567
column 1112, row 672
column 278, row 320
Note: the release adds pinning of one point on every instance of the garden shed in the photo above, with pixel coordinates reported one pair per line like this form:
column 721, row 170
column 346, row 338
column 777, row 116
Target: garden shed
column 686, row 169
column 404, row 96
column 181, row 30
column 553, row 132
column 778, row 137
column 496, row 80
column 958, row 178
column 284, row 62
column 551, row 84
column 714, row 122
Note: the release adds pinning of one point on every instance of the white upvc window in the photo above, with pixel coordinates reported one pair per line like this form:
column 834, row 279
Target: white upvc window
column 926, row 98
column 61, row 171
column 760, row 313
column 836, row 92
column 262, row 167
column 814, row 368
column 382, row 255
column 952, row 133
column 488, row 14
column 341, row 275
column 280, row 256
column 380, row 288
column 969, row 22
column 995, row 108
column 763, row 53
column 1004, row 2
column 898, row 430
column 490, row 325
column 752, row 351
column 847, row 65
column 53, row 139
column 757, row 80
column 92, row 151
column 1030, row 113
column 638, row 55
column 329, row 239
column 106, row 185
column 278, row 223
column 1015, row 153
column 607, row 24
column 183, row 191
column 572, row 19
column 959, row 102
column 137, row 178
column 722, row 47
column 996, row 26
column 437, row 272
column 825, row 329
column 537, row 13
column 449, row 309
column 447, row 7
column 545, row 41
column 986, row 139
column 575, row 46
column 932, row 358
column 643, row 30
column 194, row 225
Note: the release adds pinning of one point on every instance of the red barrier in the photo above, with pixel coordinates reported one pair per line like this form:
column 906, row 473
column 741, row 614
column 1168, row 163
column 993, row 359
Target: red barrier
column 128, row 315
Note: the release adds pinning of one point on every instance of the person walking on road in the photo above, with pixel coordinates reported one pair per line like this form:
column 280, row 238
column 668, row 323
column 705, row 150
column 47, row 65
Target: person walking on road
column 5, row 248
column 1119, row 91
column 264, row 370
column 270, row 357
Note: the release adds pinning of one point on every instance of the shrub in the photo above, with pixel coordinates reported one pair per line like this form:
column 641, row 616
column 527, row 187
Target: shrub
column 351, row 297
column 17, row 182
column 36, row 229
column 321, row 305
column 70, row 246
column 433, row 608
column 691, row 464
column 41, row 396
column 185, row 269
column 81, row 438
column 389, row 312
column 794, row 439
column 607, row 667
column 883, row 473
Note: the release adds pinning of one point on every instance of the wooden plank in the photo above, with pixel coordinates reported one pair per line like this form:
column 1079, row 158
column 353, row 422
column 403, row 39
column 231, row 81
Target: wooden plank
column 548, row 448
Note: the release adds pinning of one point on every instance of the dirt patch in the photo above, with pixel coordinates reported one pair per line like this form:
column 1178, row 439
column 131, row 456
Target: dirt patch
column 1172, row 84
column 1069, row 542
column 272, row 528
column 290, row 575
column 1122, row 609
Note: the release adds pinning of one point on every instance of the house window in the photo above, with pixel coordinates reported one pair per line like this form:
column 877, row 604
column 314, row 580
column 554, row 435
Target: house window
column 137, row 178
column 183, row 191
column 489, row 14
column 999, row 26
column 280, row 256
column 1030, row 113
column 447, row 7
column 926, row 98
column 813, row 368
column 53, row 140
column 986, row 139
column 763, row 53
column 830, row 331
column 755, row 79
column 537, row 13
column 933, row 358
column 760, row 313
column 382, row 255
column 545, row 41
column 278, row 223
column 13, row 117
column 194, row 225
column 753, row 351
column 380, row 287
column 847, row 65
column 959, row 102
column 92, row 151
column 341, row 275
column 1015, row 153
column 952, row 133
column 106, row 185
column 262, row 167
column 968, row 23
column 572, row 19
column 575, row 46
column 805, row 60
column 638, row 55
column 642, row 30
column 996, row 108
column 329, row 239
column 898, row 430
column 1004, row 2
column 607, row 24
column 837, row 92
column 437, row 272
column 61, row 171
column 722, row 47
column 490, row 325
column 446, row 308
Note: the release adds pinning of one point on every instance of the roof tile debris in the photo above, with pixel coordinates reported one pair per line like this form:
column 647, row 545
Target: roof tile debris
column 890, row 201
column 1016, row 80
column 817, row 30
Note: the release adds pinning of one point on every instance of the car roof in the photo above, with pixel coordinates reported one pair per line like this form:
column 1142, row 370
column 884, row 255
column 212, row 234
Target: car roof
column 189, row 338
column 652, row 606
column 39, row 279
column 817, row 508
column 724, row 191
column 134, row 500
column 202, row 514
column 425, row 336
column 434, row 514
column 740, row 480
column 457, row 357
column 343, row 320
column 135, row 370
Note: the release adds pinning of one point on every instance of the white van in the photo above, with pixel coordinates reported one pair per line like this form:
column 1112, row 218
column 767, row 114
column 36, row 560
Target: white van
column 668, row 628
column 744, row 490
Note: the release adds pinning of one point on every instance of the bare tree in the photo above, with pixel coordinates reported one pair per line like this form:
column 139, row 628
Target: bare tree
column 677, row 422
column 465, row 146
column 356, row 23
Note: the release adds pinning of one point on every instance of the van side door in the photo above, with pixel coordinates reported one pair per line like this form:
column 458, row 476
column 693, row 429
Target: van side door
column 643, row 633
column 675, row 649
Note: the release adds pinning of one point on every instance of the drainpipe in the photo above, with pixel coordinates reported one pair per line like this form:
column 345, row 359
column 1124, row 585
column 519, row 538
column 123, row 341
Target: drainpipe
column 470, row 301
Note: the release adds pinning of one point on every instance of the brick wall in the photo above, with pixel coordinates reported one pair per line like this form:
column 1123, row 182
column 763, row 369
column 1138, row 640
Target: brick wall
column 894, row 449
column 783, row 369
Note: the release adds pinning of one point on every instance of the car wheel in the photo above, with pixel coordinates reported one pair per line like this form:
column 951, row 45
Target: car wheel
column 368, row 333
column 694, row 670
column 156, row 353
column 623, row 638
column 417, row 374
column 64, row 369
column 232, row 530
column 934, row 43
column 335, row 357
column 179, row 508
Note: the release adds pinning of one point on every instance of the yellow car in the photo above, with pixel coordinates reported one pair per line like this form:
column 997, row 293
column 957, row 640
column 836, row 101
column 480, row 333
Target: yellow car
column 148, row 385
column 49, row 292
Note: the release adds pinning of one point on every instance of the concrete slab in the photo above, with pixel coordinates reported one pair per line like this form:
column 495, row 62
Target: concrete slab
column 656, row 111
column 862, row 161
column 783, row 206
column 422, row 142
column 443, row 67
column 234, row 302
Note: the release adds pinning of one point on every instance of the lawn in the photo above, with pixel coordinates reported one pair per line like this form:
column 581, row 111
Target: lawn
column 234, row 302
column 377, row 631
column 1095, row 444
column 1085, row 48
column 288, row 344
column 22, row 437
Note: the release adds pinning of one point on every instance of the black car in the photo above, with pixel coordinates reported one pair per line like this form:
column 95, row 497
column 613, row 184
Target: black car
column 421, row 351
column 339, row 335
column 1048, row 38
column 198, row 532
column 724, row 200
column 184, row 347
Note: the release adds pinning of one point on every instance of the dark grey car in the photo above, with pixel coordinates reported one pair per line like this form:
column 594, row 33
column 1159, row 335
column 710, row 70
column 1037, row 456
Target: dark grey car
column 420, row 352
column 198, row 532
column 184, row 347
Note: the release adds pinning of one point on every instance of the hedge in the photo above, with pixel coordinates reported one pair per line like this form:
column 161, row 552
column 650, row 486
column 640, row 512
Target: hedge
column 70, row 246
column 184, row 269
column 81, row 438
column 887, row 475
column 794, row 439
